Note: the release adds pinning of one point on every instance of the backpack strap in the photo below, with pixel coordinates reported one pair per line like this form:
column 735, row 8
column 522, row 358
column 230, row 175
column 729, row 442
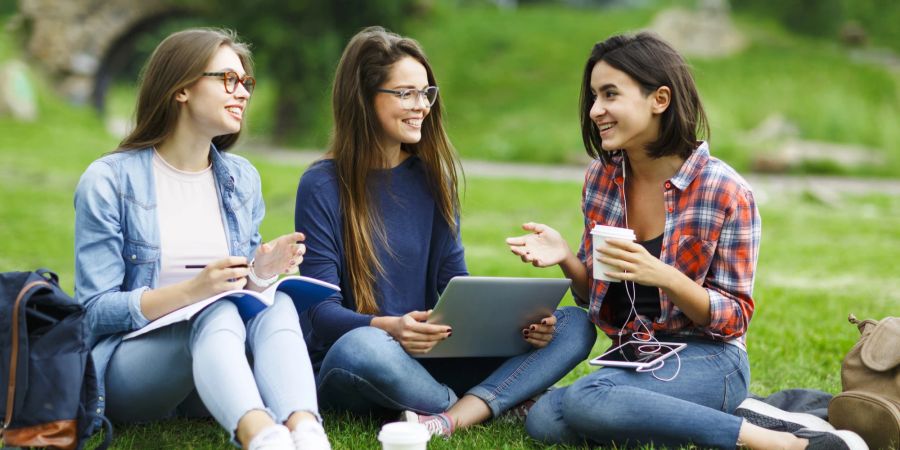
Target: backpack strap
column 48, row 274
column 14, row 351
column 108, row 435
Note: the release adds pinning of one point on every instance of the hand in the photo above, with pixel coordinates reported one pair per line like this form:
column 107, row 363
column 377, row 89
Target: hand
column 544, row 247
column 222, row 275
column 540, row 334
column 635, row 263
column 416, row 336
column 280, row 255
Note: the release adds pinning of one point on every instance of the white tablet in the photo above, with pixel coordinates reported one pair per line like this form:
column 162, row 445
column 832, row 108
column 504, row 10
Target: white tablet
column 488, row 314
column 641, row 355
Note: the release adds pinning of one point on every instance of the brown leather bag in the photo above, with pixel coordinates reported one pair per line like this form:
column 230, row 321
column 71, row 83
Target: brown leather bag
column 870, row 375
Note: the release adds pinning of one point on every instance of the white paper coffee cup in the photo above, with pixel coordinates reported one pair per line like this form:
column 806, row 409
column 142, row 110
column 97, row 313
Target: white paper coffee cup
column 404, row 436
column 600, row 234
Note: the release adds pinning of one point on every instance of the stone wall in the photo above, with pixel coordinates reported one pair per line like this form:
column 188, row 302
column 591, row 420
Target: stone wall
column 70, row 38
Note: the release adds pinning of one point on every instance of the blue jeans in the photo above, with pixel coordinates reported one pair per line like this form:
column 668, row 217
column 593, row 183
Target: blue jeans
column 189, row 368
column 622, row 406
column 366, row 370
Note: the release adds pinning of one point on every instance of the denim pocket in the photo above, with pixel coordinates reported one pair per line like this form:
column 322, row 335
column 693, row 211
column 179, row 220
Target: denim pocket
column 736, row 390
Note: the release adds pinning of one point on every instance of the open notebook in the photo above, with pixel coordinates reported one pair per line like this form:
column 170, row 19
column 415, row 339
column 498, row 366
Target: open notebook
column 304, row 291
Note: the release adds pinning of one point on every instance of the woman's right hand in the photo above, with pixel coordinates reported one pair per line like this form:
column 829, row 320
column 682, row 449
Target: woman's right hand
column 219, row 276
column 543, row 247
column 413, row 333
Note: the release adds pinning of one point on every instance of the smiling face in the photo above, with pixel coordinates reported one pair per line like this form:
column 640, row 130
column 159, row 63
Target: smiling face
column 625, row 117
column 400, row 125
column 206, row 107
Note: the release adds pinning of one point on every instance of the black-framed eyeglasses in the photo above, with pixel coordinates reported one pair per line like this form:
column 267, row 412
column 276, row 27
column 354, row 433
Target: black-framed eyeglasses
column 231, row 80
column 411, row 98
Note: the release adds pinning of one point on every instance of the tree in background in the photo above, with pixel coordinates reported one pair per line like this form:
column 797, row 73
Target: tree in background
column 298, row 43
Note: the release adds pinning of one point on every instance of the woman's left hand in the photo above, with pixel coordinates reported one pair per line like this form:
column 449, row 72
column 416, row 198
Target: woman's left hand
column 635, row 263
column 280, row 255
column 540, row 334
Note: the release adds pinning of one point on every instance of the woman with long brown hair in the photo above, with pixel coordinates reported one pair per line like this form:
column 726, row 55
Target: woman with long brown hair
column 170, row 219
column 381, row 213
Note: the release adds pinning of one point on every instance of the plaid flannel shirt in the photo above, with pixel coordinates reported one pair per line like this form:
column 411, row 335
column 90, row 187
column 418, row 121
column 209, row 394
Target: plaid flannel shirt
column 712, row 235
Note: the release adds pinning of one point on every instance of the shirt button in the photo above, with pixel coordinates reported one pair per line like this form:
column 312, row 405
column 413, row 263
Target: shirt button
column 99, row 410
column 620, row 180
column 671, row 209
column 100, row 398
column 668, row 185
column 133, row 257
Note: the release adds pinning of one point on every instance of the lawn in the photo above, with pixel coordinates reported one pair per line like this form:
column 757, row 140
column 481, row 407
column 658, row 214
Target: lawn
column 818, row 261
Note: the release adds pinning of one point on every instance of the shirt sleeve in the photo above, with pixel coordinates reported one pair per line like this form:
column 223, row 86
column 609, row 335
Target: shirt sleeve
column 729, row 280
column 454, row 262
column 99, row 264
column 316, row 214
column 584, row 246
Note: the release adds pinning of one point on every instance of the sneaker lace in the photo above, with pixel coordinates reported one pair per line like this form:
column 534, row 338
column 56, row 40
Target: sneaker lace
column 434, row 425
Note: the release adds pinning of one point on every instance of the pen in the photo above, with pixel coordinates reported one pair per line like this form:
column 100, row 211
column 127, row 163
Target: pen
column 203, row 266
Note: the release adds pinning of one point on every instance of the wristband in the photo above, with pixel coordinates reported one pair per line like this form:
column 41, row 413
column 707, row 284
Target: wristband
column 261, row 282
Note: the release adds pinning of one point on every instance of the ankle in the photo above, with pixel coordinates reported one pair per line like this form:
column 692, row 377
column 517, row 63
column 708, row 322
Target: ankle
column 251, row 424
column 800, row 444
column 451, row 420
column 300, row 416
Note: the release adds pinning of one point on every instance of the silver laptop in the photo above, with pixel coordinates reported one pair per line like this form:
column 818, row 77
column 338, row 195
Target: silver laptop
column 488, row 314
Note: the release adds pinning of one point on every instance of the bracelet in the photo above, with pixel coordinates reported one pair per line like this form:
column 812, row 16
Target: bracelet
column 261, row 282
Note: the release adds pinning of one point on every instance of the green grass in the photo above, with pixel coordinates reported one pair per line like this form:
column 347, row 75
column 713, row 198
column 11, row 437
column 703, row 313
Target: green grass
column 818, row 262
column 511, row 91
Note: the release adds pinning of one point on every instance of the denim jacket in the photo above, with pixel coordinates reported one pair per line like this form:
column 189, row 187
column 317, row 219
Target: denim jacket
column 117, row 249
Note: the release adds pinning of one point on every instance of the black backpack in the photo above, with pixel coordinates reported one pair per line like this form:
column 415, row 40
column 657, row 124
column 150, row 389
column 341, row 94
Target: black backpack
column 49, row 387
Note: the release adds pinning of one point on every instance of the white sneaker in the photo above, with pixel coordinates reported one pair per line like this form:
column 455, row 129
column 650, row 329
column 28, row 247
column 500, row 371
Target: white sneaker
column 274, row 437
column 309, row 435
column 831, row 440
column 772, row 418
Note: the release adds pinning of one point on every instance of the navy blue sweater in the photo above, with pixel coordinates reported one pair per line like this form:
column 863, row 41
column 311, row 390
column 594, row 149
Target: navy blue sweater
column 424, row 254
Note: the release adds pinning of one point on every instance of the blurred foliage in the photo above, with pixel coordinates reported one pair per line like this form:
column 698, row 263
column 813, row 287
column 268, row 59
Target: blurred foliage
column 877, row 19
column 302, row 42
column 7, row 8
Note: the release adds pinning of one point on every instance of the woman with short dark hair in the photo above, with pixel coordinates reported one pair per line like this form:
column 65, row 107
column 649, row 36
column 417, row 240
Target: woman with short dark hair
column 687, row 280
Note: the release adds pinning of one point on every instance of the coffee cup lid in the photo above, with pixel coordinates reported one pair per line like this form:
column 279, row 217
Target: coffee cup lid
column 624, row 233
column 404, row 433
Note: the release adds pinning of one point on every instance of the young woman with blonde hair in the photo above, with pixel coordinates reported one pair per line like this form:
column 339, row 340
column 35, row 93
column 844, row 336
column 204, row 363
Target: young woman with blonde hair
column 170, row 197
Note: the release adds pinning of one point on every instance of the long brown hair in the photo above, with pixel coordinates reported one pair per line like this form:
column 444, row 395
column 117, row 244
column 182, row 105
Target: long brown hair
column 652, row 63
column 356, row 149
column 176, row 63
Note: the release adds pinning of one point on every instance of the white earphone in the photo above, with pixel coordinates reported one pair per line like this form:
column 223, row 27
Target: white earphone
column 630, row 293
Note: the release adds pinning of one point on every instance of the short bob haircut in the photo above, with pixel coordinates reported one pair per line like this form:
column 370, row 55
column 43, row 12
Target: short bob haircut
column 652, row 63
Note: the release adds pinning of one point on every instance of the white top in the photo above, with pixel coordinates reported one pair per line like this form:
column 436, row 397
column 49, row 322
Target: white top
column 191, row 230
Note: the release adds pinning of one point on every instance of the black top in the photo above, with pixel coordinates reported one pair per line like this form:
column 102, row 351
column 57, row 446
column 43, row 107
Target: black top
column 646, row 298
